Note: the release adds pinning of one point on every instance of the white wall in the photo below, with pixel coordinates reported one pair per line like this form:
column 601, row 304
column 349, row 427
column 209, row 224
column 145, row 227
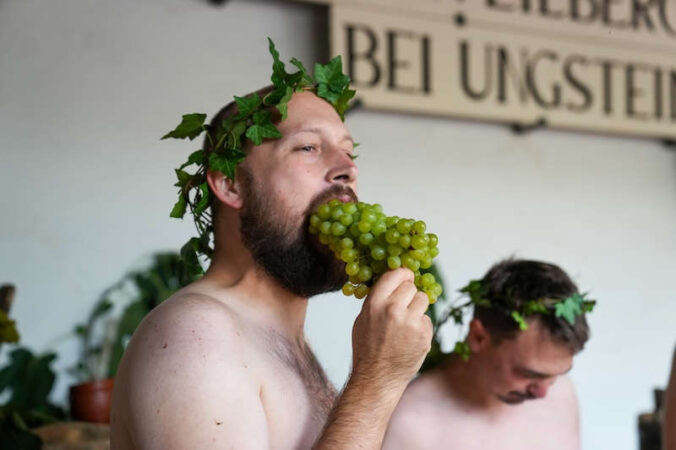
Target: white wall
column 88, row 87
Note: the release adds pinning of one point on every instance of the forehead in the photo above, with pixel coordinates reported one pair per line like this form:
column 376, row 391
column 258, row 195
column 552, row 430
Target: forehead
column 307, row 111
column 534, row 349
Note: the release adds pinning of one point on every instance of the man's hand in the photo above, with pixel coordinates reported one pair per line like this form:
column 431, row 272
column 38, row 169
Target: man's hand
column 392, row 334
column 390, row 339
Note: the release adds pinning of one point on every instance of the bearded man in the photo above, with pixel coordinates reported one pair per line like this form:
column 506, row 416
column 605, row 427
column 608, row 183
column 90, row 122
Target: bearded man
column 224, row 362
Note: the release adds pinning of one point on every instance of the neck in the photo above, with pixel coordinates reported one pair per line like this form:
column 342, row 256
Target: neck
column 464, row 381
column 235, row 278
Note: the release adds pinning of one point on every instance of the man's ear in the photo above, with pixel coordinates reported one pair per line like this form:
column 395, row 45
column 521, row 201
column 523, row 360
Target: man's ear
column 226, row 190
column 478, row 337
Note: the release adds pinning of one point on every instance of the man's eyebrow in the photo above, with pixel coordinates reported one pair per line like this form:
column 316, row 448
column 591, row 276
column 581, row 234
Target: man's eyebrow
column 536, row 374
column 346, row 137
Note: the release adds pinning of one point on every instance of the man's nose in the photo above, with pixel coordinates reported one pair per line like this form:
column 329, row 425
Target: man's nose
column 538, row 390
column 342, row 169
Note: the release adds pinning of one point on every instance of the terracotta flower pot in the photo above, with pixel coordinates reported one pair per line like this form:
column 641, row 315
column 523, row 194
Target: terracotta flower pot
column 90, row 402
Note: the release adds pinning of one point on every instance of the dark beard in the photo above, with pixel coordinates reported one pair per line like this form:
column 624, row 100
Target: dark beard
column 291, row 256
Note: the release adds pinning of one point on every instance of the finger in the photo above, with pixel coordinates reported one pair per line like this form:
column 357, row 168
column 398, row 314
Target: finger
column 388, row 283
column 402, row 296
column 419, row 304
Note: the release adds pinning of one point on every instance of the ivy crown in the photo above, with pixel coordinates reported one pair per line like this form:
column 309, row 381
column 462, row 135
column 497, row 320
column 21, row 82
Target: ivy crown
column 513, row 291
column 249, row 120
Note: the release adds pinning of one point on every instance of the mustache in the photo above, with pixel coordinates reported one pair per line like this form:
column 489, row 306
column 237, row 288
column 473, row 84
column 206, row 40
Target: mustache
column 334, row 191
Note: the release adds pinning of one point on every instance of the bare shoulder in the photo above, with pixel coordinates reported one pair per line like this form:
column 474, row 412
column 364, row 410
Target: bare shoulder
column 563, row 396
column 414, row 418
column 185, row 381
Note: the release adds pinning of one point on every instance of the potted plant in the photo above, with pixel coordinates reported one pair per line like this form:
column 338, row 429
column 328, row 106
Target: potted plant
column 105, row 334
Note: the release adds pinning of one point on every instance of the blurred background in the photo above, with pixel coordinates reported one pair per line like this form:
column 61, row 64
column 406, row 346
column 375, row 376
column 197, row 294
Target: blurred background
column 87, row 88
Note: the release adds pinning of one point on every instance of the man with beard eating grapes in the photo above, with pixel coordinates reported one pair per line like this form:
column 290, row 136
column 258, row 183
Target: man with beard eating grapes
column 224, row 362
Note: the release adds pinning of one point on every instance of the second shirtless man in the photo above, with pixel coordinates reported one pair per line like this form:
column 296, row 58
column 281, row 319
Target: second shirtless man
column 513, row 392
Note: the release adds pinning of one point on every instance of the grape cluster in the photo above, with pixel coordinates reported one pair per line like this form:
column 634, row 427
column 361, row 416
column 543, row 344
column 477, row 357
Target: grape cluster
column 370, row 243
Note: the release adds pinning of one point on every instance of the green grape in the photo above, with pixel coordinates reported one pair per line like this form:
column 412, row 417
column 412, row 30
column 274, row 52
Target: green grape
column 371, row 243
column 352, row 268
column 348, row 289
column 338, row 229
column 324, row 211
column 378, row 252
column 392, row 236
column 394, row 262
column 366, row 239
column 419, row 227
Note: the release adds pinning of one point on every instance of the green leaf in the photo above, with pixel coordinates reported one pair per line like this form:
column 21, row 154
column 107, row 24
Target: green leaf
column 235, row 135
column 194, row 158
column 534, row 307
column 343, row 102
column 462, row 349
column 518, row 318
column 223, row 164
column 183, row 178
column 247, row 105
column 278, row 68
column 262, row 128
column 8, row 331
column 331, row 75
column 569, row 308
column 282, row 106
column 190, row 127
column 203, row 202
column 178, row 211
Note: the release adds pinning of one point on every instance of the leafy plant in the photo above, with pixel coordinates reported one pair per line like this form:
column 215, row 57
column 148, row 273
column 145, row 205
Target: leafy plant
column 104, row 337
column 29, row 380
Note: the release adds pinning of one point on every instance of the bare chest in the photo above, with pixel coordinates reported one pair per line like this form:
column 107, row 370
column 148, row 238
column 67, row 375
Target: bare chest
column 296, row 395
column 542, row 430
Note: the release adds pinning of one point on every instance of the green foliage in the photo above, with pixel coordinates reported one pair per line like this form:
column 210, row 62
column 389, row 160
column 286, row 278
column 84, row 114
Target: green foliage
column 28, row 380
column 8, row 331
column 143, row 290
column 254, row 122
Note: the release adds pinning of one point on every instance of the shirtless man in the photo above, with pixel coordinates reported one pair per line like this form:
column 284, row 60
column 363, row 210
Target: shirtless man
column 669, row 425
column 483, row 403
column 224, row 364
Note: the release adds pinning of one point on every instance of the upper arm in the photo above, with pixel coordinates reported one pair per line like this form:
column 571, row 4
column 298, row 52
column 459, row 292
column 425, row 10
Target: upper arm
column 189, row 384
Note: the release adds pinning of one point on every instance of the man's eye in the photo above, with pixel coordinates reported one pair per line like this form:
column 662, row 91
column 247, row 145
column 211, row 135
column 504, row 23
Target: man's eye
column 307, row 148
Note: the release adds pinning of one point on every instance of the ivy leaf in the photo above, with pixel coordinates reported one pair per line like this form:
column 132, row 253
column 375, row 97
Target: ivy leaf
column 203, row 202
column 343, row 102
column 194, row 158
column 278, row 69
column 262, row 128
column 331, row 75
column 190, row 127
column 283, row 106
column 534, row 307
column 189, row 257
column 569, row 308
column 462, row 349
column 178, row 211
column 301, row 78
column 223, row 164
column 235, row 135
column 518, row 318
column 183, row 178
column 247, row 105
